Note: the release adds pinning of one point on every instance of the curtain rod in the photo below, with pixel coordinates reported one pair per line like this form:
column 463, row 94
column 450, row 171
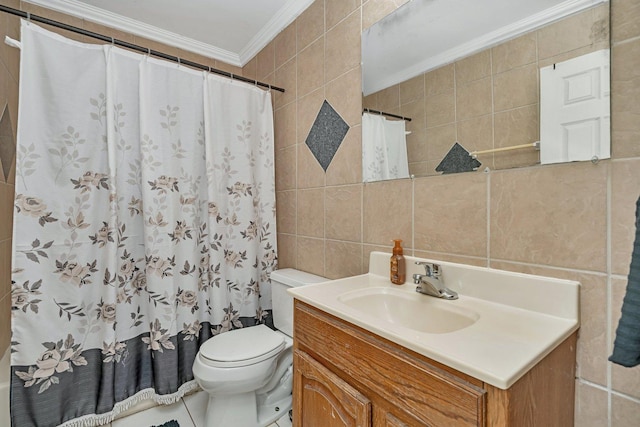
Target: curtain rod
column 132, row 46
column 395, row 116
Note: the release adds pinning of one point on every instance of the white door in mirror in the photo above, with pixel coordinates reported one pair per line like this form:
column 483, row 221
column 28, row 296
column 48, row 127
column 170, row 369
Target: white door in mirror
column 575, row 118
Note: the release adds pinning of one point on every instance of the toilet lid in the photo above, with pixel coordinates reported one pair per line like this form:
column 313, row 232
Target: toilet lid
column 242, row 347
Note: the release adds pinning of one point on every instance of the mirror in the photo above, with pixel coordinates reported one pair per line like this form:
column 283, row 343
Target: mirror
column 467, row 74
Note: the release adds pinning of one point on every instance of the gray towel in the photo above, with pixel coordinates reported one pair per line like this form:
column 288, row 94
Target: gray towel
column 172, row 423
column 626, row 348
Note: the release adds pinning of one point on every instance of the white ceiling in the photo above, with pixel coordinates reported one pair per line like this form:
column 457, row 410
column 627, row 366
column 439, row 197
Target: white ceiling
column 233, row 31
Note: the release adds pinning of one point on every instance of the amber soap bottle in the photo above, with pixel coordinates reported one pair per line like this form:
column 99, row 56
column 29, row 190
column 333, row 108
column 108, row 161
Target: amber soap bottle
column 397, row 270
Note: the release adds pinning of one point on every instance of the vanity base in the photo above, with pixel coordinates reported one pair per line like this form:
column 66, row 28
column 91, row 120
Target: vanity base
column 347, row 376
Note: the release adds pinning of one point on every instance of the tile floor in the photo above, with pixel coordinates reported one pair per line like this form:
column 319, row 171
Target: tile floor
column 189, row 412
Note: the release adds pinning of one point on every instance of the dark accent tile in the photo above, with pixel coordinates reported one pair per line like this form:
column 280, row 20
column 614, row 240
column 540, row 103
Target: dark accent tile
column 326, row 134
column 458, row 160
column 7, row 143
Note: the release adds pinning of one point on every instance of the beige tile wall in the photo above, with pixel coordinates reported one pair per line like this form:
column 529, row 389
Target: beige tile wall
column 573, row 221
column 490, row 99
column 570, row 221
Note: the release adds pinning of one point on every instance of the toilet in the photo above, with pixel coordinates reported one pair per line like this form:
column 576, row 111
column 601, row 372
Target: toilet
column 248, row 372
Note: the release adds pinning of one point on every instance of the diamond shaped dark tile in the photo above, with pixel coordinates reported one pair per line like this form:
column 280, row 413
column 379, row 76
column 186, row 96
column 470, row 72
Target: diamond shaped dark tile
column 458, row 160
column 7, row 143
column 326, row 134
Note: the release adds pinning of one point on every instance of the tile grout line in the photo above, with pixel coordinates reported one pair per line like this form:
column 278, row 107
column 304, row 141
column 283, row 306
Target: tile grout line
column 553, row 267
column 413, row 216
column 488, row 233
column 364, row 267
column 605, row 389
column 455, row 101
column 608, row 322
column 625, row 41
column 296, row 146
column 625, row 396
column 188, row 412
column 493, row 109
column 493, row 162
column 364, row 263
column 324, row 97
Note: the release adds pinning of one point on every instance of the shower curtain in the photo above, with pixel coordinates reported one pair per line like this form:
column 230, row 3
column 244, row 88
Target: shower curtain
column 144, row 224
column 384, row 148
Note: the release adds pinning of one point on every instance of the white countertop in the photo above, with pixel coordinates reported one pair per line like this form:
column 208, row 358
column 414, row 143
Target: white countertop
column 520, row 318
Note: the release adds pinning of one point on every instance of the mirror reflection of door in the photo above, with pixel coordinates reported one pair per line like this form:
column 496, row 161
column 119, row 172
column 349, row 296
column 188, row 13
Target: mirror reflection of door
column 575, row 109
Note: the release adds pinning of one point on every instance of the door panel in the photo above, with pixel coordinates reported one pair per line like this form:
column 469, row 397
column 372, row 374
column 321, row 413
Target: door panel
column 575, row 109
column 324, row 398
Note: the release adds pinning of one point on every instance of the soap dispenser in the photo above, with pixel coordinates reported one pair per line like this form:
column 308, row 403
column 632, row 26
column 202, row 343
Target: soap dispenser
column 397, row 271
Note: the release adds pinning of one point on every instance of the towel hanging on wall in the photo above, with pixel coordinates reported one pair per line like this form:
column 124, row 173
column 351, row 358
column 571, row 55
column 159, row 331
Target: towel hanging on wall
column 626, row 348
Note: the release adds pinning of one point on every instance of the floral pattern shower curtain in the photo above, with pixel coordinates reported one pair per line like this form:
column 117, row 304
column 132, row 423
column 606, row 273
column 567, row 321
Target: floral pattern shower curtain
column 384, row 148
column 144, row 224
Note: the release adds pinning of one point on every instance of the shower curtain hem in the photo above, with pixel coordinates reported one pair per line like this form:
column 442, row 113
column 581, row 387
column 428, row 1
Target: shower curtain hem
column 120, row 407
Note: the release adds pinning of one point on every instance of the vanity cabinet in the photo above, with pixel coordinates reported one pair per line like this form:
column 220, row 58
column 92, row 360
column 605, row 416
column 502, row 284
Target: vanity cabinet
column 347, row 376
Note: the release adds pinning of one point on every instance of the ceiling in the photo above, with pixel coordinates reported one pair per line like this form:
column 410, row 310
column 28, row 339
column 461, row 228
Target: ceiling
column 232, row 31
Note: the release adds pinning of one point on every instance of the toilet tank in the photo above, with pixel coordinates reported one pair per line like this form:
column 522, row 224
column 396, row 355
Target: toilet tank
column 282, row 301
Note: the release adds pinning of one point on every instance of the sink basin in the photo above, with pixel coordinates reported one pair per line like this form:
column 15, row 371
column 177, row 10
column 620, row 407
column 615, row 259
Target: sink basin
column 420, row 313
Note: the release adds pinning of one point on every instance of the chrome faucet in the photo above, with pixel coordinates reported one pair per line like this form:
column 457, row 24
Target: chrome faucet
column 431, row 282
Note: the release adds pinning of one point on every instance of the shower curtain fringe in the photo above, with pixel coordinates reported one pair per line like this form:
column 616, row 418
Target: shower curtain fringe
column 148, row 394
column 135, row 47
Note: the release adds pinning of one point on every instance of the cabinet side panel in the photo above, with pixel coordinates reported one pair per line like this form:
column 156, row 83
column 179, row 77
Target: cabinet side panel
column 497, row 407
column 543, row 397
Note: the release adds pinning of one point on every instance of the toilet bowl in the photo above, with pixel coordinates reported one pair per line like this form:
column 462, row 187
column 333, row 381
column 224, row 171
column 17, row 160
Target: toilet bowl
column 248, row 372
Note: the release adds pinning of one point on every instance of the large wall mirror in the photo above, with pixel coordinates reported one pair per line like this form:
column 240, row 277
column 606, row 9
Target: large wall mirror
column 468, row 76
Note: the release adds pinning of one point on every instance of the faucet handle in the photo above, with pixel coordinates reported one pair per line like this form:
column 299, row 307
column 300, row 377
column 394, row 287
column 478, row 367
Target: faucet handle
column 427, row 267
column 435, row 270
column 431, row 270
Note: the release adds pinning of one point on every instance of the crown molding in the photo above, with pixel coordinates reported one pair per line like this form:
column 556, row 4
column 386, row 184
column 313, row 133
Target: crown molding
column 491, row 39
column 284, row 17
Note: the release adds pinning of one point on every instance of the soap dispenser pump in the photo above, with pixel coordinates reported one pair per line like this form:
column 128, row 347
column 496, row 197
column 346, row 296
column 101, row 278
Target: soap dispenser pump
column 397, row 270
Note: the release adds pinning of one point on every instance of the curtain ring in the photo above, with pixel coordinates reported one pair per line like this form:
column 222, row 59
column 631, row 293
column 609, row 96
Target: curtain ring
column 113, row 41
column 28, row 17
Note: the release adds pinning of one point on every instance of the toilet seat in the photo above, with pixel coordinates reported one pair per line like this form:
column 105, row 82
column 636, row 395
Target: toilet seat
column 242, row 347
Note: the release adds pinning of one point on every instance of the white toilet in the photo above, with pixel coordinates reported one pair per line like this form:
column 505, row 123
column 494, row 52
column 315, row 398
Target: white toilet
column 248, row 372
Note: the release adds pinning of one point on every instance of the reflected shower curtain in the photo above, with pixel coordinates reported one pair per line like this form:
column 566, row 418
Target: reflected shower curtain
column 384, row 148
column 144, row 224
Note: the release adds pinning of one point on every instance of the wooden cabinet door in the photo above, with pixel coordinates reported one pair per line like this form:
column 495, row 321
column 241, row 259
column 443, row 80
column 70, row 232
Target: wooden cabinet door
column 388, row 420
column 322, row 399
